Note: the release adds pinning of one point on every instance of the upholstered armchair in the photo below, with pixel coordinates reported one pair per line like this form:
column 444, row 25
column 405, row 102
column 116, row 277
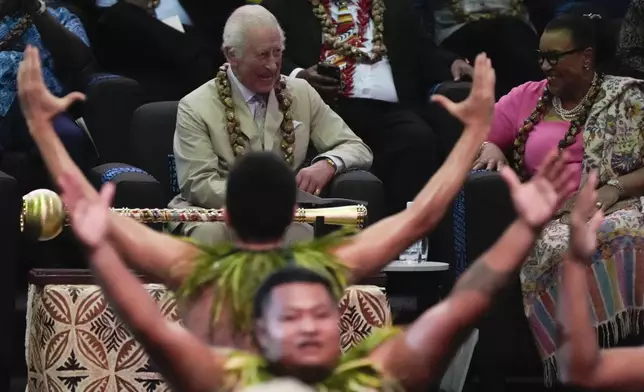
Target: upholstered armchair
column 153, row 168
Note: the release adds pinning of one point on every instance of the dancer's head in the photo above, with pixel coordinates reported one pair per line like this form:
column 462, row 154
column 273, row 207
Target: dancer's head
column 253, row 42
column 573, row 46
column 260, row 198
column 296, row 323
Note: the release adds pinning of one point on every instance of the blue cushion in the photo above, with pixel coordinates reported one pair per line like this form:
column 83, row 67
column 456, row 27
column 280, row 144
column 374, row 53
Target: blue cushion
column 110, row 174
column 174, row 182
column 460, row 230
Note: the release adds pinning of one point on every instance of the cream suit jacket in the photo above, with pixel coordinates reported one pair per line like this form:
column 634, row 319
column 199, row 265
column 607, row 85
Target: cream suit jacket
column 202, row 149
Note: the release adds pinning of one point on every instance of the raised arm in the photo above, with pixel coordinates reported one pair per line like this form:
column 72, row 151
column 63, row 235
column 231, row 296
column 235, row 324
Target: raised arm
column 421, row 355
column 159, row 255
column 382, row 242
column 186, row 363
column 579, row 358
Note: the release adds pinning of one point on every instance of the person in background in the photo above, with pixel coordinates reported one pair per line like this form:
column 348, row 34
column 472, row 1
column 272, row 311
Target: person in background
column 379, row 68
column 249, row 106
column 67, row 63
column 170, row 47
column 599, row 119
column 500, row 28
column 630, row 47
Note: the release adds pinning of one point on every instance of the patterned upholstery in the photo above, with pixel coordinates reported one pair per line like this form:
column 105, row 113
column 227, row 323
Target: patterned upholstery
column 74, row 342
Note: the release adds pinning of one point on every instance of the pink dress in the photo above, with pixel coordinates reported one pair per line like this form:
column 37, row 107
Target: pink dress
column 509, row 114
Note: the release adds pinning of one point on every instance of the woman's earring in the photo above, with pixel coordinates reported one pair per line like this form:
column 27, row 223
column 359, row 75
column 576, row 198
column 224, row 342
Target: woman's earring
column 586, row 67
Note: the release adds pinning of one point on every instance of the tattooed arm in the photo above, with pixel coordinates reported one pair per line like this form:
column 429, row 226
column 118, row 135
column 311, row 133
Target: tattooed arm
column 420, row 355
column 580, row 360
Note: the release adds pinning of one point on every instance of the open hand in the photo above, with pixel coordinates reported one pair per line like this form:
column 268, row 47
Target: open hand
column 477, row 109
column 585, row 219
column 38, row 104
column 314, row 178
column 90, row 217
column 537, row 200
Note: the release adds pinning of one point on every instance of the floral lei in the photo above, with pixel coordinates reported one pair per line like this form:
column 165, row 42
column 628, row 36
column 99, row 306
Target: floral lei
column 576, row 125
column 346, row 49
column 235, row 134
column 516, row 8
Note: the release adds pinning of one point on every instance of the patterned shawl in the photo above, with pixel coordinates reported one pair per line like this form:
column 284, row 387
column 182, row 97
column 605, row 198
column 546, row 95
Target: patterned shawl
column 613, row 134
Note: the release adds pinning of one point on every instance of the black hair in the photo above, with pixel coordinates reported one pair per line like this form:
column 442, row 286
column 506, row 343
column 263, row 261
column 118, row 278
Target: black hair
column 286, row 275
column 588, row 30
column 260, row 197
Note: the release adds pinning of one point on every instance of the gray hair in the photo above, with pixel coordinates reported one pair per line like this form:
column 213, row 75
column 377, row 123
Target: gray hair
column 280, row 385
column 242, row 20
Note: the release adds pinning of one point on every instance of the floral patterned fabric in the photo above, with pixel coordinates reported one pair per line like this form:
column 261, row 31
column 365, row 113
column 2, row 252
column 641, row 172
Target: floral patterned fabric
column 74, row 341
column 613, row 145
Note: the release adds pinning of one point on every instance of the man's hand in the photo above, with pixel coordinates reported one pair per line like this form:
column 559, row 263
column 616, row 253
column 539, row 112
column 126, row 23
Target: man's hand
column 476, row 111
column 327, row 87
column 537, row 200
column 315, row 177
column 38, row 104
column 90, row 218
column 461, row 69
column 585, row 219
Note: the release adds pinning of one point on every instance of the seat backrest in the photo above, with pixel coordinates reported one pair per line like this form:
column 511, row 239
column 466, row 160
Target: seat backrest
column 151, row 137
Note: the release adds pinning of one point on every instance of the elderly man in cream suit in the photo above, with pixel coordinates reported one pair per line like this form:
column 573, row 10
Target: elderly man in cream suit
column 250, row 106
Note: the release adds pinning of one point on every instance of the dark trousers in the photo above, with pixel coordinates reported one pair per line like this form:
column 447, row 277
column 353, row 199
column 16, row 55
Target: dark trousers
column 509, row 42
column 167, row 63
column 406, row 150
column 15, row 137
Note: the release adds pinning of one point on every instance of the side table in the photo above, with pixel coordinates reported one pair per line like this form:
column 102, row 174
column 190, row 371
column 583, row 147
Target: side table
column 415, row 283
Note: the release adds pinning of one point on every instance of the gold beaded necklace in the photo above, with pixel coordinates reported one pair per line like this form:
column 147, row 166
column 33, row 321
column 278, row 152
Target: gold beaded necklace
column 235, row 134
column 461, row 16
column 346, row 49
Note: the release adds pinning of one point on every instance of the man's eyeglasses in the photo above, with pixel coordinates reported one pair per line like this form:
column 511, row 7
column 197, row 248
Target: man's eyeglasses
column 553, row 57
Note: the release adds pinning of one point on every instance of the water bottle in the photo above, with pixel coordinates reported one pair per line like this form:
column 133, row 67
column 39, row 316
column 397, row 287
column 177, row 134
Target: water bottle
column 417, row 252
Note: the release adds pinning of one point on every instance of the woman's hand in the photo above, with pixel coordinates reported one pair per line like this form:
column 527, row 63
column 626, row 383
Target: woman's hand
column 607, row 196
column 585, row 219
column 490, row 158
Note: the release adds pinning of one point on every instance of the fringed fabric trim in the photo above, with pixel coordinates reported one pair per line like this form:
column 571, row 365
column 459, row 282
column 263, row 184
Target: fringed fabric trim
column 621, row 326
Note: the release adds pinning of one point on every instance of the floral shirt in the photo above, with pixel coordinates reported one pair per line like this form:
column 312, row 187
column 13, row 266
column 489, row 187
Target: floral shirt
column 10, row 59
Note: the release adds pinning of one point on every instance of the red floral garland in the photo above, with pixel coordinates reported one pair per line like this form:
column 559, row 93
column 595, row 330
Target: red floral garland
column 364, row 15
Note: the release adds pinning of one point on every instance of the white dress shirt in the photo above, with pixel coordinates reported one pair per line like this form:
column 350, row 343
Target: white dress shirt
column 253, row 105
column 165, row 10
column 372, row 81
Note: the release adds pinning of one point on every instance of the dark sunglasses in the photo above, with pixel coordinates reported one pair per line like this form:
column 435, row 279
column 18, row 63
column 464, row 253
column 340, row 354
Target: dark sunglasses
column 553, row 57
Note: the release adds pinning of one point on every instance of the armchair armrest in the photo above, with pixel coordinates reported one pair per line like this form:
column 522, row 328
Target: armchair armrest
column 448, row 127
column 10, row 206
column 111, row 101
column 360, row 185
column 482, row 211
column 134, row 187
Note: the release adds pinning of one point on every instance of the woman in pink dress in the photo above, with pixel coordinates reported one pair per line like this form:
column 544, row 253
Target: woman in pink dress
column 598, row 119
